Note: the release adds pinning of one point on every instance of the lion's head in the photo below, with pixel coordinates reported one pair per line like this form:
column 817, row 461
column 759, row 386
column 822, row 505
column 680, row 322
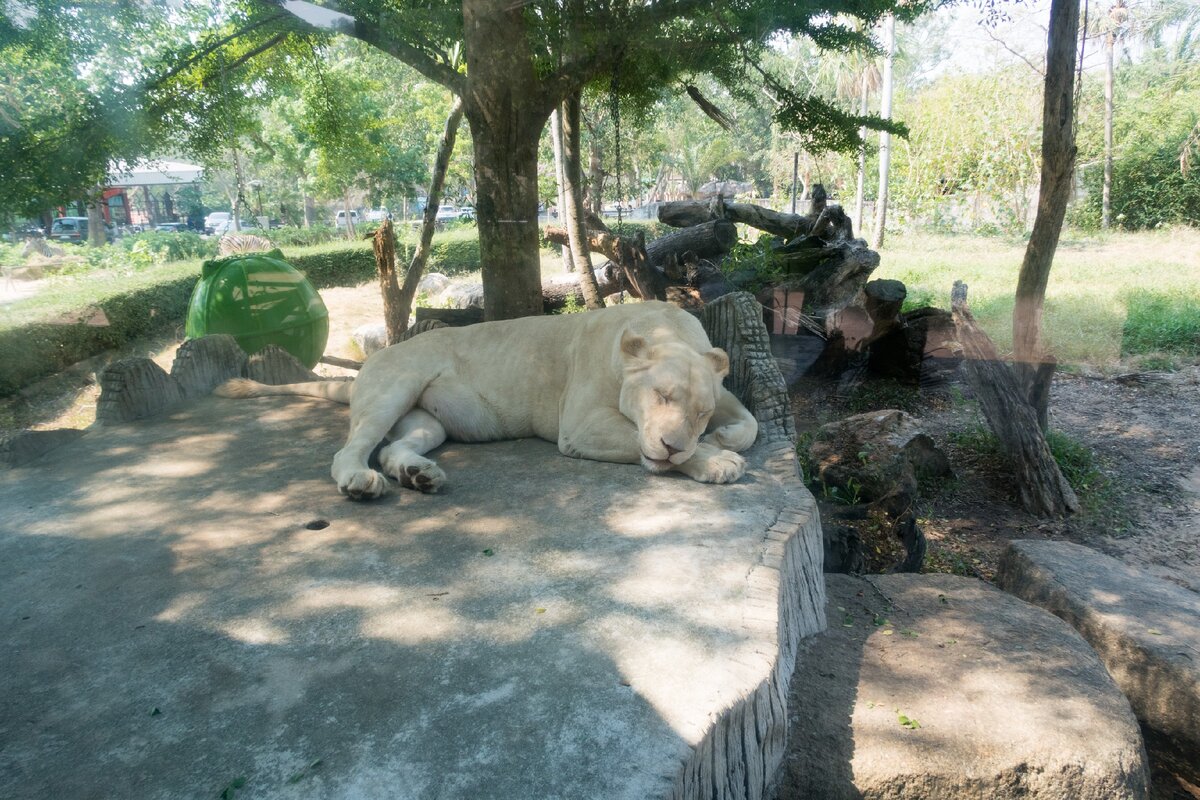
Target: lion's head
column 670, row 392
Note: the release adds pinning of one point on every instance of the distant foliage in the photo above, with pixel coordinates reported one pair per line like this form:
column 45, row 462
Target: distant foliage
column 180, row 246
column 304, row 237
column 1156, row 110
column 1162, row 322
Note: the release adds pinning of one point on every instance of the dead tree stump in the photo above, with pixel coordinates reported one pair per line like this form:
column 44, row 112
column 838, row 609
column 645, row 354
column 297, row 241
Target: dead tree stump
column 1040, row 483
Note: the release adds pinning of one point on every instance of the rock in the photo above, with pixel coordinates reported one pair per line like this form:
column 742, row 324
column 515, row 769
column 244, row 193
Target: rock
column 1145, row 629
column 876, row 455
column 935, row 686
column 275, row 366
column 135, row 388
column 433, row 283
column 468, row 296
column 25, row 446
column 201, row 364
column 371, row 337
column 924, row 349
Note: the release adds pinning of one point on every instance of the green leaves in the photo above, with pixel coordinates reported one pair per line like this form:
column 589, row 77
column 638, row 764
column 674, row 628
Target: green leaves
column 907, row 722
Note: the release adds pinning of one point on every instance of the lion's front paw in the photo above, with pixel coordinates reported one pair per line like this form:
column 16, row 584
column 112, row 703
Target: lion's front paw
column 711, row 465
column 735, row 437
column 411, row 470
column 427, row 477
column 363, row 484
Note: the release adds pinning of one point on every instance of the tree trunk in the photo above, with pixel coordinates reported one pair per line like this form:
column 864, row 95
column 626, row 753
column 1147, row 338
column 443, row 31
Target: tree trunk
column 96, row 233
column 237, row 189
column 1058, row 164
column 885, row 138
column 506, row 117
column 709, row 240
column 556, row 141
column 862, row 156
column 437, row 181
column 350, row 233
column 573, row 174
column 394, row 317
column 308, row 210
column 1106, row 192
column 1040, row 483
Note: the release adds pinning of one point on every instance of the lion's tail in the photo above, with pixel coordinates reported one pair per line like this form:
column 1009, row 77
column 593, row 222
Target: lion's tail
column 335, row 390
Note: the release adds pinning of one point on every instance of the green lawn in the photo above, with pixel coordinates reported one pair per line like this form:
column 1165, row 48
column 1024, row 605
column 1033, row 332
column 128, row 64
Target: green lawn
column 1110, row 296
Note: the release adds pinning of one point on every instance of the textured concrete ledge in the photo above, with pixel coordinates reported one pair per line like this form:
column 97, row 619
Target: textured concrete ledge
column 189, row 602
column 1145, row 629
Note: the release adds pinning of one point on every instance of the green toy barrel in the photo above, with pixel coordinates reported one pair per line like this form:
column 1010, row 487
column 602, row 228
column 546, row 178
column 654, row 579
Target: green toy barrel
column 259, row 299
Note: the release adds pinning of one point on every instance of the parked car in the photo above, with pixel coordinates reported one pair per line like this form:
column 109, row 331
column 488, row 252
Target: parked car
column 466, row 213
column 73, row 229
column 339, row 221
column 218, row 219
column 171, row 227
column 378, row 214
column 446, row 213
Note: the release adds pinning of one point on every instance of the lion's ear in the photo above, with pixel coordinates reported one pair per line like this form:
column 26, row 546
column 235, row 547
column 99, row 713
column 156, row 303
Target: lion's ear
column 633, row 346
column 718, row 361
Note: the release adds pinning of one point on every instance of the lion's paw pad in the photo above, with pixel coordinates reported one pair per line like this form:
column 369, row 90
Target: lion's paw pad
column 366, row 484
column 427, row 477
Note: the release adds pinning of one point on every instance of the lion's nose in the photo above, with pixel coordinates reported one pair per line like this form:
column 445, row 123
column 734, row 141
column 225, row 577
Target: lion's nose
column 670, row 450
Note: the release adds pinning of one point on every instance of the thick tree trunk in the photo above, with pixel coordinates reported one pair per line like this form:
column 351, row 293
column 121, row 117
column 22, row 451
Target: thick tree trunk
column 708, row 240
column 506, row 118
column 1058, row 164
column 437, row 181
column 1040, row 483
column 885, row 138
column 556, row 142
column 595, row 180
column 573, row 189
column 350, row 233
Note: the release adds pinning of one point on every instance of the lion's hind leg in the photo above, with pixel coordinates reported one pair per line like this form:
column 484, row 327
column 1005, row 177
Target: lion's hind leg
column 416, row 433
column 372, row 415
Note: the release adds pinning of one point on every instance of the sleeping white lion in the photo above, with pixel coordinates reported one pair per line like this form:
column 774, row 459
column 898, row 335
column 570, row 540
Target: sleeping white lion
column 627, row 384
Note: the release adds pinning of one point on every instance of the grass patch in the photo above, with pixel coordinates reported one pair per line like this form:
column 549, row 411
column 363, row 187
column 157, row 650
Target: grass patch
column 1161, row 322
column 1097, row 283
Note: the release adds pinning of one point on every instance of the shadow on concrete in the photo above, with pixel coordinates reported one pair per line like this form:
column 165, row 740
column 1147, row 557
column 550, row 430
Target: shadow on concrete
column 188, row 601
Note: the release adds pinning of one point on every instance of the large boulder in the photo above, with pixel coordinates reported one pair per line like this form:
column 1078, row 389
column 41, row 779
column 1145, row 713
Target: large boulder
column 935, row 686
column 875, row 455
column 1145, row 629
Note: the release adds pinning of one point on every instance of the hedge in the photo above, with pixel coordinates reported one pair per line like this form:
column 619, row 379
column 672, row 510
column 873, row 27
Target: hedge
column 33, row 351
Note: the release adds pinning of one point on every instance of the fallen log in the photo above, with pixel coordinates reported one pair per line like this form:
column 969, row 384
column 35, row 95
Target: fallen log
column 689, row 213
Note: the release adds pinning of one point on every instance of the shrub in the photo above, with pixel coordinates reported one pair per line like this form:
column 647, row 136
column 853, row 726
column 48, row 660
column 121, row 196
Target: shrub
column 304, row 237
column 455, row 252
column 1161, row 322
column 29, row 352
column 174, row 246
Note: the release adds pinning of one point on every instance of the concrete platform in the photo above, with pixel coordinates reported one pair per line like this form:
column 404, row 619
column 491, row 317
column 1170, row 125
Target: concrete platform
column 189, row 605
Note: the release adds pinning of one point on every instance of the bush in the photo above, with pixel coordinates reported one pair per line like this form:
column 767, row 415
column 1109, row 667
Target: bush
column 1161, row 322
column 304, row 237
column 32, row 351
column 455, row 252
column 179, row 246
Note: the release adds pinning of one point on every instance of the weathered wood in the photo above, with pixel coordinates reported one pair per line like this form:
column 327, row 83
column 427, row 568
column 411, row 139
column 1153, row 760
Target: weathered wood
column 394, row 314
column 688, row 213
column 708, row 240
column 573, row 218
column 344, row 363
column 837, row 278
column 625, row 253
column 1040, row 483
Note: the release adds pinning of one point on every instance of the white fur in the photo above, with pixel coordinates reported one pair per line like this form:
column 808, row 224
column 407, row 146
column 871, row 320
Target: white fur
column 628, row 384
